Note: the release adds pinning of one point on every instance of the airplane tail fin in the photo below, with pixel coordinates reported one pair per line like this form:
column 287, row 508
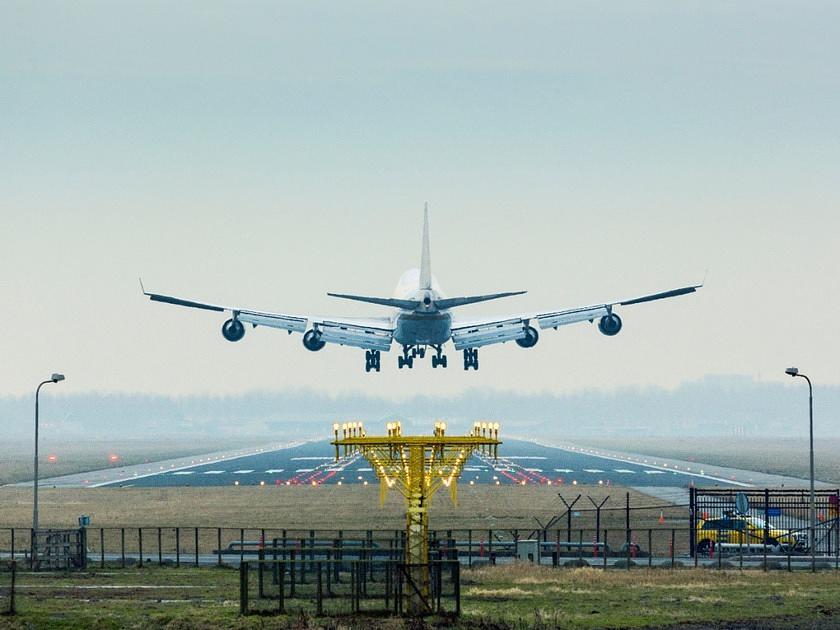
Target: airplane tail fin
column 425, row 256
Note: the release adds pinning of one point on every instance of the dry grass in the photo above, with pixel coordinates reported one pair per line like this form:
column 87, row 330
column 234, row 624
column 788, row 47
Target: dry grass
column 295, row 507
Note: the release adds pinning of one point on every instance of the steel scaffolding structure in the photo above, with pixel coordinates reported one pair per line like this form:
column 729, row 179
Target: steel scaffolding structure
column 417, row 466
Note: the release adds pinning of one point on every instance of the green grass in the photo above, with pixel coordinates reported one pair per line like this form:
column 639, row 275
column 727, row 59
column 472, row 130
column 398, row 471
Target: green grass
column 493, row 597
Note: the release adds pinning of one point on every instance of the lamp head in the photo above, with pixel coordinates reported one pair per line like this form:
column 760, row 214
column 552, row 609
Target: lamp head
column 55, row 378
column 792, row 371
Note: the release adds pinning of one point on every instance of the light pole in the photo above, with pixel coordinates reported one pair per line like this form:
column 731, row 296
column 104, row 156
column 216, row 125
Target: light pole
column 55, row 378
column 812, row 512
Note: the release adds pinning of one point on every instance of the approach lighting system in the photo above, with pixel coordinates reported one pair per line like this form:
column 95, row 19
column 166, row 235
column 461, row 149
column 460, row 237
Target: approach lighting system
column 417, row 466
column 792, row 371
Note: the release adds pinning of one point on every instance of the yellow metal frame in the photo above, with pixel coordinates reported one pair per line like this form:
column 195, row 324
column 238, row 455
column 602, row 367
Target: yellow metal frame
column 417, row 466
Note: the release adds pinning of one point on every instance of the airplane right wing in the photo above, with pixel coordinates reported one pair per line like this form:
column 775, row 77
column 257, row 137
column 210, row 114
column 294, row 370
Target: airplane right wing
column 483, row 332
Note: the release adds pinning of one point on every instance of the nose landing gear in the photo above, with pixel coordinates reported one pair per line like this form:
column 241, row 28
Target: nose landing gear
column 471, row 358
column 372, row 360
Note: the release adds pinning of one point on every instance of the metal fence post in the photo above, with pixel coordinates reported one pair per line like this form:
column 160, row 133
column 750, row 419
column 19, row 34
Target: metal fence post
column 605, row 547
column 196, row 546
column 650, row 547
column 457, row 586
column 13, row 543
column 140, row 544
column 122, row 547
column 102, row 547
column 243, row 588
column 219, row 545
column 12, row 591
column 673, row 545
column 318, row 568
column 160, row 546
column 281, row 602
column 177, row 546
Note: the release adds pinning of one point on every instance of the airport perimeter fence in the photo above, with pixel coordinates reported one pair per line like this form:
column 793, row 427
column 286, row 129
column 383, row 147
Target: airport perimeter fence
column 335, row 587
column 8, row 577
column 664, row 544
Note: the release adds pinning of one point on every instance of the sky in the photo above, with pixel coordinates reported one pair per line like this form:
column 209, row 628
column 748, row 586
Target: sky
column 261, row 154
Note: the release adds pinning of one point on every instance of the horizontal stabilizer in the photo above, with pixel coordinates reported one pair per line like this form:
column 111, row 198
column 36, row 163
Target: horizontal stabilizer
column 461, row 301
column 408, row 305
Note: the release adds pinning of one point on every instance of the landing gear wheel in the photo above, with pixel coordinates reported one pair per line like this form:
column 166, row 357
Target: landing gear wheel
column 421, row 352
column 372, row 360
column 405, row 362
column 471, row 358
column 438, row 360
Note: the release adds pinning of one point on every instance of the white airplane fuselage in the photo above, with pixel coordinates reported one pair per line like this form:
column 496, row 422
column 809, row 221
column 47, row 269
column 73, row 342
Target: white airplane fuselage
column 425, row 325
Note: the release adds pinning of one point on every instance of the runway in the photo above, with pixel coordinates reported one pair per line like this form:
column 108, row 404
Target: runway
column 523, row 462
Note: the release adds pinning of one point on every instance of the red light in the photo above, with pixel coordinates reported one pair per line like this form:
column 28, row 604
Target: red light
column 114, row 458
column 52, row 459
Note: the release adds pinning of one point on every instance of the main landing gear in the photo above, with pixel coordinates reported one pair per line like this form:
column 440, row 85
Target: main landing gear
column 471, row 358
column 373, row 360
column 411, row 352
column 407, row 359
column 438, row 360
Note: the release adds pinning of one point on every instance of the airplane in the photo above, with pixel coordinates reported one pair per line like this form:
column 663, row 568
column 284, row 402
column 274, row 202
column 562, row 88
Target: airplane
column 422, row 318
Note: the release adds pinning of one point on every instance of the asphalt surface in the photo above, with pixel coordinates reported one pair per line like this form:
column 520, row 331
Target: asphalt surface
column 522, row 463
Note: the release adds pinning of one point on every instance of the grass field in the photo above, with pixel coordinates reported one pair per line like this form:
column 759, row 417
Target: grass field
column 768, row 455
column 520, row 596
column 304, row 507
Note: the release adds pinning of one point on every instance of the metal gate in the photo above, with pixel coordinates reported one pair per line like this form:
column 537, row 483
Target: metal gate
column 775, row 519
column 59, row 549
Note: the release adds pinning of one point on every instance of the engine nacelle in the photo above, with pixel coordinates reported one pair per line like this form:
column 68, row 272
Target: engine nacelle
column 610, row 325
column 312, row 340
column 530, row 339
column 233, row 330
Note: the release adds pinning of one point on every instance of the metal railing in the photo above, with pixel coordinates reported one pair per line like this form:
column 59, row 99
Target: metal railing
column 203, row 546
column 330, row 587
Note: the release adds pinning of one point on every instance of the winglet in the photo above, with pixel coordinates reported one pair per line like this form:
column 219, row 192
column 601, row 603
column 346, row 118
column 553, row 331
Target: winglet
column 425, row 256
column 142, row 288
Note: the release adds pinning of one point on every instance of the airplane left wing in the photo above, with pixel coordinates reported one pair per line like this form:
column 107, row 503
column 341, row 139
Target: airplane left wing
column 372, row 333
column 483, row 332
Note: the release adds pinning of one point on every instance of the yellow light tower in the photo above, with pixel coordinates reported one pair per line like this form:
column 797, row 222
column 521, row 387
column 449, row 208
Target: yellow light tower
column 418, row 466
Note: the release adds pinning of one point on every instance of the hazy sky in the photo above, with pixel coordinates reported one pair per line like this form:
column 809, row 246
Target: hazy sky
column 261, row 154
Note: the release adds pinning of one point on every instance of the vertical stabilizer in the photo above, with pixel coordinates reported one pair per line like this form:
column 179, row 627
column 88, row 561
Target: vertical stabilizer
column 425, row 257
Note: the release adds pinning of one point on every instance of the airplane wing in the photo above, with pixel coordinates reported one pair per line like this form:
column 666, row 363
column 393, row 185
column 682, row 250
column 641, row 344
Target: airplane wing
column 482, row 332
column 371, row 333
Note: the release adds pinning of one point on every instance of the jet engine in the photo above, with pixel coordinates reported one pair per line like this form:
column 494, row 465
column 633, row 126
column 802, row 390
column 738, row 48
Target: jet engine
column 312, row 340
column 530, row 339
column 233, row 330
column 610, row 325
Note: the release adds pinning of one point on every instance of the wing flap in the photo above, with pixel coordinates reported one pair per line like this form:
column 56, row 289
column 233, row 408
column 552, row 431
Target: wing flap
column 286, row 322
column 571, row 316
column 346, row 334
column 488, row 333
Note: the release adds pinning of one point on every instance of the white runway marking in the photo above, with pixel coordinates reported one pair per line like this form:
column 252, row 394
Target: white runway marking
column 272, row 471
column 304, row 470
column 593, row 470
column 300, row 459
column 654, row 472
column 625, row 471
column 525, row 457
column 534, row 469
column 242, row 472
column 183, row 472
column 563, row 470
column 364, row 469
column 213, row 472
